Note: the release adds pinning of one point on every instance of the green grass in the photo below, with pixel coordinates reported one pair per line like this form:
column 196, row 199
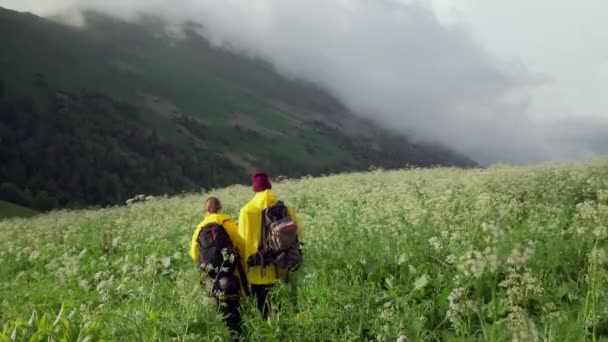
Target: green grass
column 8, row 210
column 439, row 254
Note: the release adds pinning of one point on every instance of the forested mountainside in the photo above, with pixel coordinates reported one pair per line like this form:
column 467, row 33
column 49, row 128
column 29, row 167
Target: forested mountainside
column 94, row 115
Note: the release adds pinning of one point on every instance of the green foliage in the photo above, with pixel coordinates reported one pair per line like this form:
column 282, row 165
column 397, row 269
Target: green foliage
column 8, row 209
column 11, row 193
column 44, row 328
column 90, row 149
column 443, row 254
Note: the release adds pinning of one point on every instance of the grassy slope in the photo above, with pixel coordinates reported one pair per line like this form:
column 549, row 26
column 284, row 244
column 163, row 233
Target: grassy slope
column 8, row 210
column 430, row 254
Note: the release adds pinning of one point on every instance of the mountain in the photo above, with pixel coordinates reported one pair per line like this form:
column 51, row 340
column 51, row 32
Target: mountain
column 93, row 115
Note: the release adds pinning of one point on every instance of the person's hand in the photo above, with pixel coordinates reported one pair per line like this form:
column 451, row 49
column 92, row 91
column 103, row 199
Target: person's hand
column 253, row 260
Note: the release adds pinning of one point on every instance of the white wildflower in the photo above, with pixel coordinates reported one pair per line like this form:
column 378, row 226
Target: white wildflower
column 600, row 232
column 103, row 285
column 456, row 297
column 435, row 243
column 472, row 264
column 521, row 326
column 165, row 261
column 521, row 255
column 34, row 255
column 580, row 229
column 491, row 256
column 84, row 284
column 421, row 282
column 597, row 256
column 585, row 210
column 457, row 306
column 521, row 286
column 126, row 268
column 227, row 256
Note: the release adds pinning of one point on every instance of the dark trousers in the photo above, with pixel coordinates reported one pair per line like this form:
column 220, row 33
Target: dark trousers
column 225, row 291
column 260, row 292
column 229, row 309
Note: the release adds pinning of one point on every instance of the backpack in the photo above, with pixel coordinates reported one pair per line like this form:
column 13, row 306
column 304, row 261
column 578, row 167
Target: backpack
column 279, row 243
column 217, row 253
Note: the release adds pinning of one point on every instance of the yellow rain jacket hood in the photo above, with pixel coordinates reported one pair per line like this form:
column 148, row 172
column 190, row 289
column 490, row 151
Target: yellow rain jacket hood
column 226, row 222
column 250, row 229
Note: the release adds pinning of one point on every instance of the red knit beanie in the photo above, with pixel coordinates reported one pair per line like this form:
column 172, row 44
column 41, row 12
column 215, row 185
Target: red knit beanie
column 260, row 182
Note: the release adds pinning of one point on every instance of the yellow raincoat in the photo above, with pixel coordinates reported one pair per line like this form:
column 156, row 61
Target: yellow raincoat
column 226, row 222
column 232, row 231
column 250, row 229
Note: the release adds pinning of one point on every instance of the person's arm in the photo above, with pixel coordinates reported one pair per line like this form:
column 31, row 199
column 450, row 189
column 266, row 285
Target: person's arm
column 241, row 226
column 243, row 231
column 194, row 252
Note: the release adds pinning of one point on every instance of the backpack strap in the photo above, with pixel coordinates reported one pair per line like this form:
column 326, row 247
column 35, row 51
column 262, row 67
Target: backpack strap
column 262, row 246
column 242, row 276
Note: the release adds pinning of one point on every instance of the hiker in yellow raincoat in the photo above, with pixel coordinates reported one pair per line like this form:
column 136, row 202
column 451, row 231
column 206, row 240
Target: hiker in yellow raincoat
column 225, row 290
column 261, row 279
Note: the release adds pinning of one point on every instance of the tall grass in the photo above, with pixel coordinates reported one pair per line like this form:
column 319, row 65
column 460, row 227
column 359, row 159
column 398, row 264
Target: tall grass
column 443, row 254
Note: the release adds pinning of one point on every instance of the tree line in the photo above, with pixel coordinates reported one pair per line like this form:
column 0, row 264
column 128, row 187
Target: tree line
column 73, row 149
column 88, row 149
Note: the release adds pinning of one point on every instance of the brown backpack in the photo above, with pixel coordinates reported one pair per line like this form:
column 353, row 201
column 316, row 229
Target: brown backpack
column 279, row 243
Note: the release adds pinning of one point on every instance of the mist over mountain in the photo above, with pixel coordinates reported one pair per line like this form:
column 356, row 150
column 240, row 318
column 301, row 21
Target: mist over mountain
column 390, row 61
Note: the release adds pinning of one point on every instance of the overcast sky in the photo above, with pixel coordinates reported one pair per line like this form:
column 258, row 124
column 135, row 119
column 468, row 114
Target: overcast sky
column 504, row 81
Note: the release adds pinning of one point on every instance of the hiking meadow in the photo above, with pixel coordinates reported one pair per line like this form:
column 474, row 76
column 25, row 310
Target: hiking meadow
column 499, row 254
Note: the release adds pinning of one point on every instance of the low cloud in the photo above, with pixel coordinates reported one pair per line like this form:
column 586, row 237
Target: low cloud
column 388, row 60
